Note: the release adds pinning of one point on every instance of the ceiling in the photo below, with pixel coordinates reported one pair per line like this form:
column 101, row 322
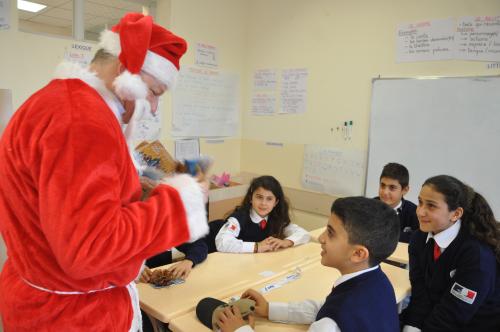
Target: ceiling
column 98, row 13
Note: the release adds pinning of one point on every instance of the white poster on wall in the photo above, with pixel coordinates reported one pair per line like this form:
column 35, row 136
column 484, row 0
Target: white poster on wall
column 205, row 103
column 206, row 55
column 187, row 149
column 79, row 53
column 425, row 41
column 478, row 38
column 265, row 79
column 334, row 171
column 264, row 92
column 293, row 90
column 149, row 127
column 4, row 14
column 263, row 103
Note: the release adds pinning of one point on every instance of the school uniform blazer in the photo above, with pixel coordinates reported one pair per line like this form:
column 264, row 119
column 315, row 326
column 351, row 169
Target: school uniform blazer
column 408, row 221
column 458, row 292
column 196, row 252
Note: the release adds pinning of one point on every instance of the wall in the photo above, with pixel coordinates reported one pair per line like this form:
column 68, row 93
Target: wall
column 28, row 63
column 223, row 24
column 344, row 45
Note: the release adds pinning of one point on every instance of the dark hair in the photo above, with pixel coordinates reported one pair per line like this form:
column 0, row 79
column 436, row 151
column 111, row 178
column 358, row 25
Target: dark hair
column 370, row 223
column 397, row 172
column 279, row 217
column 477, row 216
column 102, row 56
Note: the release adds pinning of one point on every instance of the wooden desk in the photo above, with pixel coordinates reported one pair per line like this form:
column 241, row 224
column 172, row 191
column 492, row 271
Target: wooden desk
column 220, row 276
column 399, row 255
column 315, row 283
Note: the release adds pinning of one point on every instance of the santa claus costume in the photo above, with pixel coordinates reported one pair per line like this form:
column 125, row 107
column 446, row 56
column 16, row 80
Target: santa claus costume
column 71, row 217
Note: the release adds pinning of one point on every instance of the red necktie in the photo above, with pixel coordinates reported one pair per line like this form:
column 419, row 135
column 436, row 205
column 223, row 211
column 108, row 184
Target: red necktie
column 263, row 224
column 437, row 251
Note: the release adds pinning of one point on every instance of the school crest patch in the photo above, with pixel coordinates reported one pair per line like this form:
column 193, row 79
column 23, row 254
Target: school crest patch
column 463, row 293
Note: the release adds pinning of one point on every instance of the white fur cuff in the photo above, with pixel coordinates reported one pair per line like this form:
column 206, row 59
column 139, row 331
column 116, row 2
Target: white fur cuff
column 192, row 197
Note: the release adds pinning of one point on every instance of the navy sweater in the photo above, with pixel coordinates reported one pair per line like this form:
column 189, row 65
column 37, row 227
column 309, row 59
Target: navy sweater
column 195, row 252
column 458, row 292
column 363, row 303
column 408, row 221
column 250, row 231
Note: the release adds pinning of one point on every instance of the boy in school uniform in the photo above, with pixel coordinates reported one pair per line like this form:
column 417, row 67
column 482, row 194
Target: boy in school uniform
column 394, row 184
column 360, row 233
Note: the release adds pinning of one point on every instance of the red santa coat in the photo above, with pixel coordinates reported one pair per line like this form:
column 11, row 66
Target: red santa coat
column 71, row 215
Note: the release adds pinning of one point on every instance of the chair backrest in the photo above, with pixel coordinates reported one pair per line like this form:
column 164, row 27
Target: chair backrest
column 214, row 227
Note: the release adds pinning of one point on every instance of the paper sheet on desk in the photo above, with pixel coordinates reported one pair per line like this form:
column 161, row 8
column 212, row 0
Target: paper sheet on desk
column 280, row 283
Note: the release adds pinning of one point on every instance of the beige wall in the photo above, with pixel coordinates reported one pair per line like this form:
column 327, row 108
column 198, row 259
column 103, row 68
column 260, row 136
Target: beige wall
column 223, row 24
column 343, row 44
column 27, row 61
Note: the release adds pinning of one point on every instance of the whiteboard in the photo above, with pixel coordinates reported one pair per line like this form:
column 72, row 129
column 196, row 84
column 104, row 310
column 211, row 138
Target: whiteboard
column 437, row 126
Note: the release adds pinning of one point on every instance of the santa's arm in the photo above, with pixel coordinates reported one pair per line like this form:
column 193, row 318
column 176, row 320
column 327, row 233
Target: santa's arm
column 88, row 227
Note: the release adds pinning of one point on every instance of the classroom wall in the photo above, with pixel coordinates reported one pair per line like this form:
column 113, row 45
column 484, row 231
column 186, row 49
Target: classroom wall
column 223, row 24
column 344, row 45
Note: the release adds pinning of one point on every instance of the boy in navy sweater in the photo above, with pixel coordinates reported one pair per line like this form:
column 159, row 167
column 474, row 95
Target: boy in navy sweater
column 360, row 233
column 394, row 184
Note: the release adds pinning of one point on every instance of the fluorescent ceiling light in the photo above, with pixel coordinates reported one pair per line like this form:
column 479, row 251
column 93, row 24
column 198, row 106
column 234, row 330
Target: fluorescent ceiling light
column 29, row 6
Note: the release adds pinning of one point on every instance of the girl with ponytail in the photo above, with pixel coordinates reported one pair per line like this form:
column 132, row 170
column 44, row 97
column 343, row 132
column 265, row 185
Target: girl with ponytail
column 454, row 261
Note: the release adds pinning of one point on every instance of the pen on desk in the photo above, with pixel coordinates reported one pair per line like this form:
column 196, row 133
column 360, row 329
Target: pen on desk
column 345, row 130
column 350, row 129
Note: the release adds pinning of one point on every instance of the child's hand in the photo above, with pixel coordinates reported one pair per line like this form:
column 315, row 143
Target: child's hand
column 145, row 275
column 230, row 319
column 261, row 305
column 181, row 269
column 264, row 246
column 276, row 243
column 147, row 185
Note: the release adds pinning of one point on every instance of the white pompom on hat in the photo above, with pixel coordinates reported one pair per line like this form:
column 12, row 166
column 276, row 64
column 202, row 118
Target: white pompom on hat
column 143, row 45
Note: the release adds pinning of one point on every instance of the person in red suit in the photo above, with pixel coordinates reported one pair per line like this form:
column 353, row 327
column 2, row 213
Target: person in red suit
column 71, row 215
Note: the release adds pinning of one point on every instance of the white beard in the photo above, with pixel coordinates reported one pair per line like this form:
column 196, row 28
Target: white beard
column 142, row 107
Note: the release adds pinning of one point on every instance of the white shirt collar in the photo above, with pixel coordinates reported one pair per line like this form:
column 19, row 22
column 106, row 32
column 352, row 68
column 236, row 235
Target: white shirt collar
column 254, row 216
column 398, row 206
column 444, row 238
column 345, row 277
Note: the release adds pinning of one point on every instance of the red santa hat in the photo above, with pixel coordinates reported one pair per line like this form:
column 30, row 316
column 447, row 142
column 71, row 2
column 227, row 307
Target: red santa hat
column 143, row 45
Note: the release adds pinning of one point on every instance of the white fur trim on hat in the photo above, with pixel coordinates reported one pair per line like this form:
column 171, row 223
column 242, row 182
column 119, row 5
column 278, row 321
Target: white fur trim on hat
column 161, row 68
column 155, row 65
column 130, row 87
column 110, row 42
column 192, row 197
